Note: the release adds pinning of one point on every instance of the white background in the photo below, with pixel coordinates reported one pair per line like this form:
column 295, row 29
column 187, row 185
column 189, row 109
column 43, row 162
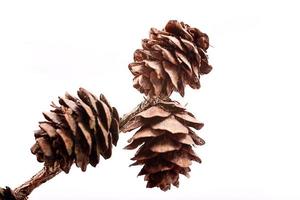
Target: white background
column 249, row 102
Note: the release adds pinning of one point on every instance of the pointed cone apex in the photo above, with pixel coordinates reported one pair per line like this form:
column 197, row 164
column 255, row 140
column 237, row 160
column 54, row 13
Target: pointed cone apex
column 165, row 141
column 78, row 131
column 170, row 59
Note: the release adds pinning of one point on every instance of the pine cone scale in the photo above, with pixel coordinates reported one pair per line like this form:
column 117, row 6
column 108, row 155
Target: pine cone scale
column 71, row 122
column 50, row 130
column 52, row 117
column 179, row 158
column 105, row 135
column 177, row 43
column 90, row 116
column 170, row 124
column 114, row 129
column 183, row 138
column 190, row 120
column 144, row 133
column 105, row 114
column 171, row 70
column 69, row 103
column 45, row 146
column 164, row 144
column 67, row 140
column 87, row 135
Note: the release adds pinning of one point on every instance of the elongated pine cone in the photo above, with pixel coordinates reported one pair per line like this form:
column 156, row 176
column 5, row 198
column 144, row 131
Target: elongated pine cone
column 78, row 130
column 165, row 138
column 170, row 60
column 6, row 194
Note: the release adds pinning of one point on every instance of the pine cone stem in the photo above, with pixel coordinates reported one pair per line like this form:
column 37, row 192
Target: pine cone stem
column 139, row 108
column 22, row 192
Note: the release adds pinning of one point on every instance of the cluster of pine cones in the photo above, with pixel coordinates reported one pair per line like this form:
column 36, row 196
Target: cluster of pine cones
column 168, row 61
column 83, row 127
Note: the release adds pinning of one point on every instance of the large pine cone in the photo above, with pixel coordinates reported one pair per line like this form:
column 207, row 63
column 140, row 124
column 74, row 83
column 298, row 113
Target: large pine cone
column 78, row 130
column 166, row 140
column 6, row 194
column 170, row 59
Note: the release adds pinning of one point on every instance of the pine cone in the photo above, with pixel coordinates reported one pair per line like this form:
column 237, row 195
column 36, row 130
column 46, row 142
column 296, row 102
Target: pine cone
column 166, row 141
column 170, row 59
column 6, row 194
column 78, row 130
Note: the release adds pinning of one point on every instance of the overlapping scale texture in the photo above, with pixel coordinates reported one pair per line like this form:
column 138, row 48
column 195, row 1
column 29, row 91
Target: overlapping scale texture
column 79, row 130
column 165, row 139
column 170, row 59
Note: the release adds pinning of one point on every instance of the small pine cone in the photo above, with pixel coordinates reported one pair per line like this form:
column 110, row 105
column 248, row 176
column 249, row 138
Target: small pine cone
column 165, row 138
column 78, row 130
column 170, row 59
column 6, row 194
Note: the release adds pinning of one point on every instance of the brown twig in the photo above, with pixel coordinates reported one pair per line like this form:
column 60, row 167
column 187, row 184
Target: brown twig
column 22, row 192
column 139, row 108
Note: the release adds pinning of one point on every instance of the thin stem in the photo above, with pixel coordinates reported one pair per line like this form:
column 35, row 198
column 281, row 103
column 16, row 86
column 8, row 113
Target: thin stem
column 22, row 192
column 139, row 108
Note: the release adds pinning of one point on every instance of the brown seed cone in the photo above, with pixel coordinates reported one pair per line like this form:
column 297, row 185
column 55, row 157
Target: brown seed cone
column 78, row 130
column 6, row 194
column 165, row 138
column 170, row 59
